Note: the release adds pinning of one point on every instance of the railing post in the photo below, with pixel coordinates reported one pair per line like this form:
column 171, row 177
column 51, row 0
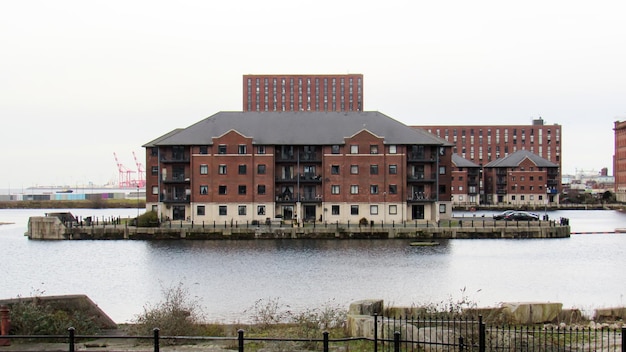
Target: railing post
column 461, row 345
column 375, row 332
column 325, row 333
column 71, row 331
column 155, row 331
column 240, row 339
column 623, row 339
column 396, row 341
column 481, row 334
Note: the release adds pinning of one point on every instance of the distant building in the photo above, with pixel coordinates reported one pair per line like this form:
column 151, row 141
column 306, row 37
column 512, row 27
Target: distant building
column 522, row 178
column 482, row 144
column 466, row 182
column 273, row 93
column 330, row 166
column 619, row 161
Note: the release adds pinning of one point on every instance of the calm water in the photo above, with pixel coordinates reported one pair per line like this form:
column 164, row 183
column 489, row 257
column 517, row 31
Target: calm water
column 584, row 271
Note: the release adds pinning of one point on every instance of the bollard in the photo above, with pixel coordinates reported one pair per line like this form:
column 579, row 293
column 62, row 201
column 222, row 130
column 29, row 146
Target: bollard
column 72, row 340
column 5, row 325
column 155, row 332
column 240, row 340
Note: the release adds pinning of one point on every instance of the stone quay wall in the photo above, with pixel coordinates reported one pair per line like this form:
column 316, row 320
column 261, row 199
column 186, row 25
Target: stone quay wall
column 52, row 228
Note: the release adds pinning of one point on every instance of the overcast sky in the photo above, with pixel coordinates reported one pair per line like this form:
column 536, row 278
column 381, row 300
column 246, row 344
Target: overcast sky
column 80, row 80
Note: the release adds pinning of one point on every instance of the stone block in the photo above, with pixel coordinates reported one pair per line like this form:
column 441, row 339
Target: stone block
column 610, row 314
column 360, row 325
column 366, row 307
column 531, row 312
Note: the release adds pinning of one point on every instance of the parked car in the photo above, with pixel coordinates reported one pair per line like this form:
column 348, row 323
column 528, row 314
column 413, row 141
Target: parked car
column 522, row 216
column 503, row 214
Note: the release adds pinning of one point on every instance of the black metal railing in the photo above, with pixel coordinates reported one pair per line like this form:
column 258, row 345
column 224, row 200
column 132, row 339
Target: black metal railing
column 396, row 334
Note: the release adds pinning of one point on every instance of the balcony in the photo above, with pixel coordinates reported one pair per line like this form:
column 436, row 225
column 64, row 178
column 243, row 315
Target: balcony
column 501, row 191
column 310, row 178
column 420, row 157
column 501, row 181
column 185, row 199
column 305, row 198
column 286, row 158
column 174, row 159
column 420, row 177
column 177, row 179
column 310, row 157
column 286, row 179
column 421, row 197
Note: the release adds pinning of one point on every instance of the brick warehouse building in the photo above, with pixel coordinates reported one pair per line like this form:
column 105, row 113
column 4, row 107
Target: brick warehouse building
column 482, row 144
column 333, row 166
column 619, row 161
column 303, row 92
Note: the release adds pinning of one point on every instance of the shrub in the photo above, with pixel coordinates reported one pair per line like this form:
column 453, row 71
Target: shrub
column 178, row 315
column 36, row 317
column 148, row 219
column 269, row 311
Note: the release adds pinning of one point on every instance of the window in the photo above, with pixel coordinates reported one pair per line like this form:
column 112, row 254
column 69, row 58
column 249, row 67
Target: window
column 204, row 150
column 241, row 210
column 442, row 189
column 374, row 189
column 373, row 149
column 221, row 190
column 242, row 169
column 393, row 189
column 204, row 189
column 334, row 189
column 393, row 149
column 221, row 169
column 393, row 169
column 442, row 170
column 354, row 149
column 204, row 169
column 393, row 209
column 222, row 210
column 354, row 189
column 221, row 149
column 373, row 209
column 200, row 210
column 155, row 171
column 354, row 210
column 260, row 149
column 334, row 169
column 334, row 210
column 260, row 189
column 260, row 210
column 242, row 189
column 334, row 149
column 442, row 208
column 155, row 189
column 354, row 169
column 242, row 149
column 373, row 169
column 260, row 169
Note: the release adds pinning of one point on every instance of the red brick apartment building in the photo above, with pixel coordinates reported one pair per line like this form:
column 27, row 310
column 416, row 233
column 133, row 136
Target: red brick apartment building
column 482, row 144
column 522, row 178
column 465, row 182
column 333, row 166
column 303, row 92
column 619, row 161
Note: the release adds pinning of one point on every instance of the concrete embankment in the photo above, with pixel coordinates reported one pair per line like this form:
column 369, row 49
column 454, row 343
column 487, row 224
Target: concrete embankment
column 52, row 228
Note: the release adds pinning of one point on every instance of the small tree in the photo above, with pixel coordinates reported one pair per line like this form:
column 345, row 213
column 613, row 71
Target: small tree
column 178, row 315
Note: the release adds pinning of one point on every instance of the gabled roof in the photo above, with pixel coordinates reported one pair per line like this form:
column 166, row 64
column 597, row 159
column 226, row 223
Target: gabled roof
column 154, row 142
column 298, row 128
column 515, row 159
column 459, row 161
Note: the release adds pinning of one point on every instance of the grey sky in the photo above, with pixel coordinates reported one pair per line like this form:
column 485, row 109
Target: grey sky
column 80, row 80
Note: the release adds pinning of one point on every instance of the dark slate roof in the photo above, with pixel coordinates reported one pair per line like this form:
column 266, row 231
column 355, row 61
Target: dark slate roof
column 299, row 128
column 459, row 161
column 167, row 135
column 514, row 159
